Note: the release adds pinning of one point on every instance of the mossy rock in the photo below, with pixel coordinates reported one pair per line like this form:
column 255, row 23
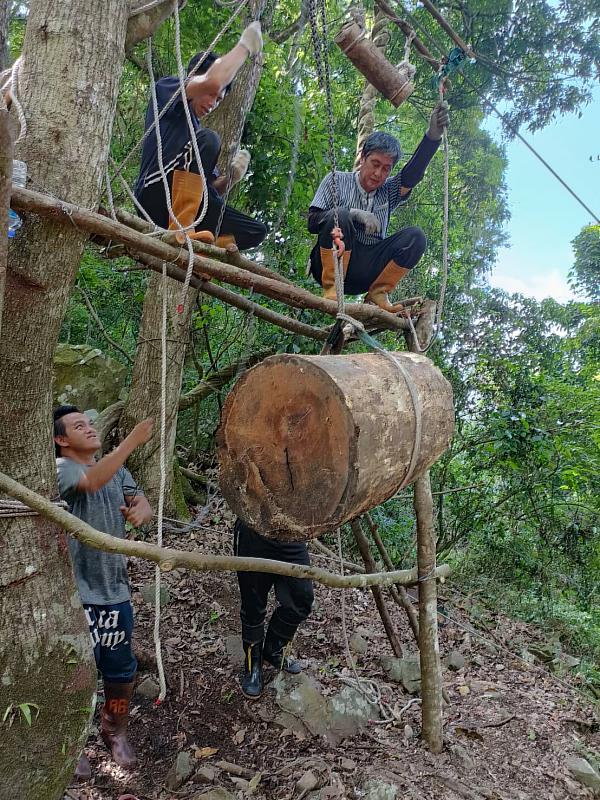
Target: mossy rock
column 84, row 376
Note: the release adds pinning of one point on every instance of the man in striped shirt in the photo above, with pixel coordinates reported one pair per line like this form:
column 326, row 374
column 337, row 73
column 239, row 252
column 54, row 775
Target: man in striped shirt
column 366, row 198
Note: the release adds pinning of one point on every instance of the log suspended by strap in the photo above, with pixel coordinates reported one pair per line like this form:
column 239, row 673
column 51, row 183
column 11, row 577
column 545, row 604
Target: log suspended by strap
column 307, row 443
column 395, row 83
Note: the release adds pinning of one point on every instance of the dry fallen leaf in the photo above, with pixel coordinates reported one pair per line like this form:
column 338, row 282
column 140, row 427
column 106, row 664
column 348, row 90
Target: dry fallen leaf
column 206, row 752
column 239, row 737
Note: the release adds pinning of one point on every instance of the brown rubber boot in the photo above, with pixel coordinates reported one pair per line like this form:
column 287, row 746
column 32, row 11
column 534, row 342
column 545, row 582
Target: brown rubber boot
column 328, row 273
column 83, row 770
column 385, row 282
column 114, row 717
column 186, row 196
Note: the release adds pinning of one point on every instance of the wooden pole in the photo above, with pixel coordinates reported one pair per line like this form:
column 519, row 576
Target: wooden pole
column 235, row 299
column 408, row 31
column 69, row 214
column 371, row 567
column 448, row 28
column 399, row 593
column 429, row 648
column 168, row 558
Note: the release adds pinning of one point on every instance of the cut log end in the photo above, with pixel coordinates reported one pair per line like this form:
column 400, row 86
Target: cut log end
column 308, row 442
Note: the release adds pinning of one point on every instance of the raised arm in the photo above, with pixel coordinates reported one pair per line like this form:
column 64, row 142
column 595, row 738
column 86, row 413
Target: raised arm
column 100, row 473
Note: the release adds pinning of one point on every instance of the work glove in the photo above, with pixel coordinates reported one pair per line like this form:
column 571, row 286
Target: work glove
column 365, row 218
column 440, row 117
column 252, row 39
column 239, row 166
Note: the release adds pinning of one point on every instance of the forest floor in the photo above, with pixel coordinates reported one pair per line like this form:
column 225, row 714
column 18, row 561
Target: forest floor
column 510, row 726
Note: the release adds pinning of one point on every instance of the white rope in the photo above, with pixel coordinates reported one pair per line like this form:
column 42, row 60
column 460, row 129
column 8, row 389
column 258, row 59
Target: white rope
column 14, row 508
column 163, row 480
column 163, row 174
column 152, row 5
column 11, row 76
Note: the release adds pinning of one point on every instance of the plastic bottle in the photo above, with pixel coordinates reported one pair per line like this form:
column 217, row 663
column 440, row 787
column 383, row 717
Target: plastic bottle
column 19, row 178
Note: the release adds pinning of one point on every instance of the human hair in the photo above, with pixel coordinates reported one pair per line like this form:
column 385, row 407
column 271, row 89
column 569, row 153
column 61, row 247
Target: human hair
column 379, row 142
column 59, row 425
column 209, row 60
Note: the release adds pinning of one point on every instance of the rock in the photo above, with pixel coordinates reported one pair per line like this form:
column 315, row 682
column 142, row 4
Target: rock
column 461, row 758
column 406, row 671
column 307, row 782
column 583, row 771
column 408, row 733
column 543, row 652
column 205, row 775
column 181, row 771
column 392, row 667
column 147, row 591
column 379, row 789
column 335, row 718
column 455, row 661
column 235, row 650
column 347, row 764
column 366, row 633
column 85, row 377
column 148, row 688
column 570, row 662
column 358, row 644
column 218, row 793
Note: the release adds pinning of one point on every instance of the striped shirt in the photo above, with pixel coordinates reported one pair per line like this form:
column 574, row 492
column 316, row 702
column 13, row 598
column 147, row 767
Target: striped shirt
column 381, row 202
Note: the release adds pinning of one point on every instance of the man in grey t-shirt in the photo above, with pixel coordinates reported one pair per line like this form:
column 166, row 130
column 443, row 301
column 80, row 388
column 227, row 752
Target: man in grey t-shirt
column 103, row 494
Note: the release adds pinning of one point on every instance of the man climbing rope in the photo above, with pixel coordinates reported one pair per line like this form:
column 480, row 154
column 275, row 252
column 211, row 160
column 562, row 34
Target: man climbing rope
column 104, row 495
column 206, row 87
column 371, row 262
column 294, row 598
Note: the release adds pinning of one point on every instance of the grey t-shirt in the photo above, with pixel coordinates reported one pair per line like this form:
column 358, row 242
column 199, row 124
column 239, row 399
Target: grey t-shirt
column 101, row 577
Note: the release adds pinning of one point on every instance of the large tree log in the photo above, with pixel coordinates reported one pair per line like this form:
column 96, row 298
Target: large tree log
column 392, row 82
column 307, row 443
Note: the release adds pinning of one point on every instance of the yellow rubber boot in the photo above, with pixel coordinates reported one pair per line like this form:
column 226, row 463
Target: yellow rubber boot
column 328, row 272
column 386, row 282
column 186, row 196
column 226, row 240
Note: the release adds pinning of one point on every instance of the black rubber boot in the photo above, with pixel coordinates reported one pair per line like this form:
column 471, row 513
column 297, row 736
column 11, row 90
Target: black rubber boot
column 252, row 679
column 273, row 652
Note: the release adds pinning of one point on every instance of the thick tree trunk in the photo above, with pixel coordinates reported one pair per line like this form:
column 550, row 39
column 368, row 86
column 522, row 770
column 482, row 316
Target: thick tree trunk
column 72, row 58
column 307, row 443
column 4, row 21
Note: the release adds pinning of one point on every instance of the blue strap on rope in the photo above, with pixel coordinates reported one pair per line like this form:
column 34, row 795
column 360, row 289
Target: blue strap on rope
column 455, row 62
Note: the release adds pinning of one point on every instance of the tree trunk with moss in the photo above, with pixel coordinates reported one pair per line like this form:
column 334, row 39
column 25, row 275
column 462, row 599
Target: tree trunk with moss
column 72, row 59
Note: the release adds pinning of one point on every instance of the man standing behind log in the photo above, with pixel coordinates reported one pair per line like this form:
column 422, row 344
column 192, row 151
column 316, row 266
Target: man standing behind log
column 371, row 262
column 208, row 82
column 294, row 603
column 103, row 494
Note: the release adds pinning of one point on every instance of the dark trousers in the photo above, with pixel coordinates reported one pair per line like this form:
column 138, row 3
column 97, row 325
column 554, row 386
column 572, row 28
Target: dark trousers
column 248, row 232
column 294, row 595
column 367, row 261
column 111, row 629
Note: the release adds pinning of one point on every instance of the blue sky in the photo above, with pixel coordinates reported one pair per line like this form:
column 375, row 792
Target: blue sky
column 544, row 216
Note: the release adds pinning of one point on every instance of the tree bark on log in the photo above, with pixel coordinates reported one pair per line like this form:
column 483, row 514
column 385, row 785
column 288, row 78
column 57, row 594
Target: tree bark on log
column 169, row 559
column 307, row 443
column 393, row 83
column 72, row 58
column 68, row 214
column 371, row 567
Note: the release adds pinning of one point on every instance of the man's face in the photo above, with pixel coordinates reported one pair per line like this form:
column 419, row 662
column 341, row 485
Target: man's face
column 80, row 435
column 208, row 96
column 374, row 170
